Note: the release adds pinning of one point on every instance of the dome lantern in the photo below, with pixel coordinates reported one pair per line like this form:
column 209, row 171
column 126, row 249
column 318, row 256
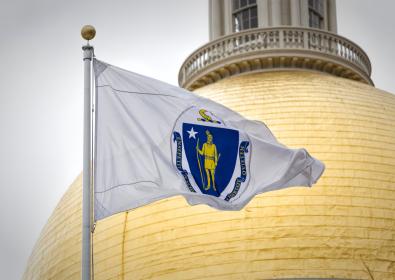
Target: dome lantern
column 273, row 35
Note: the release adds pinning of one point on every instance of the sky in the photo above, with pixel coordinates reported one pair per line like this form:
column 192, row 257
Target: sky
column 41, row 87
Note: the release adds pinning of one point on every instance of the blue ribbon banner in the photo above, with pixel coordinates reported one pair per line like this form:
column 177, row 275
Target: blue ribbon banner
column 243, row 170
column 184, row 173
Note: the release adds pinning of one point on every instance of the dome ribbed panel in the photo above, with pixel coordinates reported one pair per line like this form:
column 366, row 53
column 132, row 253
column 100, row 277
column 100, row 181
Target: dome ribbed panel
column 57, row 252
column 343, row 227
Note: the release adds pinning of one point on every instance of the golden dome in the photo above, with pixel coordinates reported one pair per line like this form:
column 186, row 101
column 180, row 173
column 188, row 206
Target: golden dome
column 343, row 227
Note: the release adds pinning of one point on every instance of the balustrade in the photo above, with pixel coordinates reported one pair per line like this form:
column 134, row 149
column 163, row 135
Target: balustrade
column 285, row 40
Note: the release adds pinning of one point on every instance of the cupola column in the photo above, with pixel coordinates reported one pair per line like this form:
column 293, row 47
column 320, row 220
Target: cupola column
column 263, row 13
column 276, row 13
column 295, row 13
column 332, row 16
column 304, row 13
column 215, row 19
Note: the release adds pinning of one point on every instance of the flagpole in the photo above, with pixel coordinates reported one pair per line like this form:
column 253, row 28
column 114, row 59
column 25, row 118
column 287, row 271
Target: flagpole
column 88, row 33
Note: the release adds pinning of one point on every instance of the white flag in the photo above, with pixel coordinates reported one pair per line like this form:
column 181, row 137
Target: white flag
column 155, row 140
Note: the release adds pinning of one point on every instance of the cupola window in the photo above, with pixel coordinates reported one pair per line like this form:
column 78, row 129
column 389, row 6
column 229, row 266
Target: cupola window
column 244, row 14
column 316, row 13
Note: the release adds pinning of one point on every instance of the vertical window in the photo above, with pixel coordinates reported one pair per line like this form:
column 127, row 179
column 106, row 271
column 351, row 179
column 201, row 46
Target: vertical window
column 316, row 13
column 244, row 14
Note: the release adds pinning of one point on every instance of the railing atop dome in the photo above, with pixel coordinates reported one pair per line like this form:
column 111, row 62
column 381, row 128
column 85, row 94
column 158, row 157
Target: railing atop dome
column 271, row 49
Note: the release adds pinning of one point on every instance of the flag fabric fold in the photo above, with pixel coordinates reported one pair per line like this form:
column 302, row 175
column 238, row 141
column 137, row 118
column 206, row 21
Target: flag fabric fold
column 155, row 140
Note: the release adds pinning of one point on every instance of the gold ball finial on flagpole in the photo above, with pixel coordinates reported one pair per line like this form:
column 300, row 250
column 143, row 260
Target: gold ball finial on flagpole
column 88, row 32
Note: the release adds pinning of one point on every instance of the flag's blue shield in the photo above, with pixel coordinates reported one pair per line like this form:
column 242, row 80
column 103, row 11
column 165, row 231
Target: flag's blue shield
column 211, row 161
column 211, row 156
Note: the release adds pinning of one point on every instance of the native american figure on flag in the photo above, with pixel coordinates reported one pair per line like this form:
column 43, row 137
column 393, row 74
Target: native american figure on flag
column 209, row 151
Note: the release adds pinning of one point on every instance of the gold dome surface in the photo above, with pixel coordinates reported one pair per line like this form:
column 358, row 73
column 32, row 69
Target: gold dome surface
column 343, row 227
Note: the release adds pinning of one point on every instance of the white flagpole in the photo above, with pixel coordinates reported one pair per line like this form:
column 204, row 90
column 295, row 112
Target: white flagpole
column 88, row 32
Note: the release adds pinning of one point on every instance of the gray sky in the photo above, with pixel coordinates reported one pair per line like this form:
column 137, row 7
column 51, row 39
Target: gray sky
column 41, row 87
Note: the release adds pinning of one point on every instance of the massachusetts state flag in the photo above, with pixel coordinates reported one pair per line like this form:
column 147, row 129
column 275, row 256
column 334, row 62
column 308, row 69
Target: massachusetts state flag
column 155, row 140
